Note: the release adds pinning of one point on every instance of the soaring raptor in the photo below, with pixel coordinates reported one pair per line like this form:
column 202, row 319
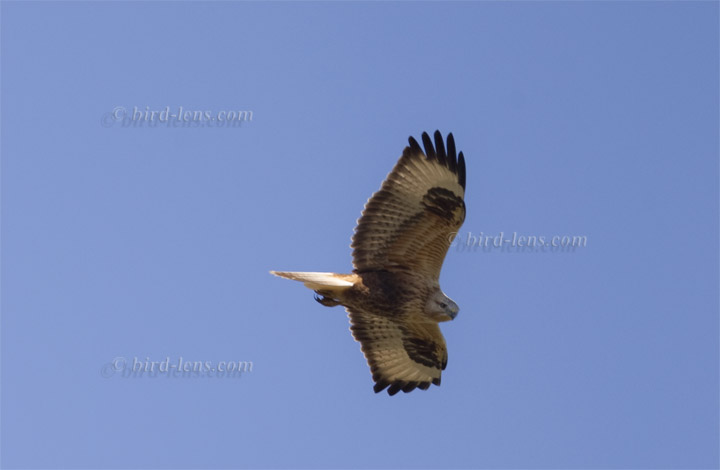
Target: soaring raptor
column 393, row 297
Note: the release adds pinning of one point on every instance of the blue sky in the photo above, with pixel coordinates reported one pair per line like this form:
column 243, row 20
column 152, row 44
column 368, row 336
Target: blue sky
column 594, row 119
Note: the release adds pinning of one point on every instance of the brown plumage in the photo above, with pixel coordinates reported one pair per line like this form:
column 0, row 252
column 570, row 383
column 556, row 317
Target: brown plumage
column 393, row 298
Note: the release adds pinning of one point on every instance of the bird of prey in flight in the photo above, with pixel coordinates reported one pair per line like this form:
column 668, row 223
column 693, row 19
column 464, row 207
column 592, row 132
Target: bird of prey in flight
column 393, row 297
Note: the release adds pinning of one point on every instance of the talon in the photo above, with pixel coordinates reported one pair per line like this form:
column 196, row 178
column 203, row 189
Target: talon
column 326, row 301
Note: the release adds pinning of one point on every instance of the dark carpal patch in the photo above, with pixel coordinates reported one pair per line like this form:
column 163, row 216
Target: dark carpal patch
column 421, row 351
column 444, row 203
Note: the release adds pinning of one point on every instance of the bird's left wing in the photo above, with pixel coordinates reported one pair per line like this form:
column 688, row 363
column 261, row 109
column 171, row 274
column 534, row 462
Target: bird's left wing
column 402, row 354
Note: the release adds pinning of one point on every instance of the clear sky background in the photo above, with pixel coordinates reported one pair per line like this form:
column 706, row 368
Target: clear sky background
column 596, row 119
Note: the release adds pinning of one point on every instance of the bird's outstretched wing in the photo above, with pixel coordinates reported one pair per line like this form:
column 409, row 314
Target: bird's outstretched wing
column 409, row 223
column 402, row 355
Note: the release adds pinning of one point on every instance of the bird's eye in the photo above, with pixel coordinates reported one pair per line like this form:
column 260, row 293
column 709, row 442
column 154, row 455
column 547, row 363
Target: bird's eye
column 443, row 305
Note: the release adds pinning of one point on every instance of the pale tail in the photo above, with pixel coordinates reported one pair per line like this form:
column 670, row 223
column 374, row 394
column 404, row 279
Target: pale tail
column 319, row 281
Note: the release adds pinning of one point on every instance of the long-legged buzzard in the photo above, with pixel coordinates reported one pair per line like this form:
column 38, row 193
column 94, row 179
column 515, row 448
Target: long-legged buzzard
column 393, row 297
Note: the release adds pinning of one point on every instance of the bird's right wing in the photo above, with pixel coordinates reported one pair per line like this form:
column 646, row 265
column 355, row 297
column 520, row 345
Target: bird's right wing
column 410, row 222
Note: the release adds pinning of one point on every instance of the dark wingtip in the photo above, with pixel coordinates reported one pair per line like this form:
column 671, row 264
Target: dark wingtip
column 414, row 146
column 380, row 386
column 429, row 149
column 451, row 152
column 444, row 152
column 396, row 387
column 451, row 157
column 410, row 387
column 401, row 385
column 440, row 149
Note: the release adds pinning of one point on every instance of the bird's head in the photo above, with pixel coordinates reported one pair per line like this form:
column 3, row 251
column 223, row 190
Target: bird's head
column 440, row 307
